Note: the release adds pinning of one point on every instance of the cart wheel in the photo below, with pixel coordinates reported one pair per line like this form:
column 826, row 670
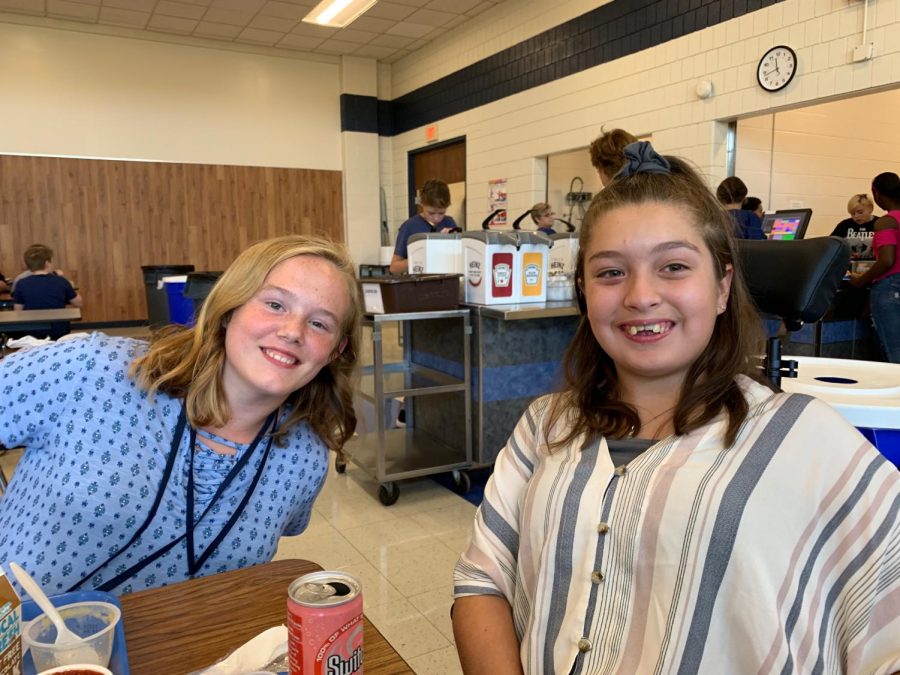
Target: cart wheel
column 388, row 493
column 340, row 466
column 461, row 482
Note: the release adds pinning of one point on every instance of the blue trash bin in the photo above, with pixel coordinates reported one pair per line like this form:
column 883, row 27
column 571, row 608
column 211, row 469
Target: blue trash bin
column 866, row 393
column 887, row 441
column 181, row 309
column 157, row 303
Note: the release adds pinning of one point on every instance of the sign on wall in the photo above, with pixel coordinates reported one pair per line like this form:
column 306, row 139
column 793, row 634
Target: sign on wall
column 497, row 200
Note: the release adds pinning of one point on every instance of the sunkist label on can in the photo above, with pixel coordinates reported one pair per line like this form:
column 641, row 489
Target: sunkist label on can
column 325, row 624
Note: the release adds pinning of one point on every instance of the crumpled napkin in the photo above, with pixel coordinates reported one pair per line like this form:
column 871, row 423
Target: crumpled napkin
column 27, row 342
column 253, row 655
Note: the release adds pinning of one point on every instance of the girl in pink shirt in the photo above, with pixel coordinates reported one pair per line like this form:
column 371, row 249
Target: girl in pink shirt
column 884, row 275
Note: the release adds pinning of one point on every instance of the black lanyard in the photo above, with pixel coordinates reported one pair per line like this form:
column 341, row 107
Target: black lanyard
column 194, row 563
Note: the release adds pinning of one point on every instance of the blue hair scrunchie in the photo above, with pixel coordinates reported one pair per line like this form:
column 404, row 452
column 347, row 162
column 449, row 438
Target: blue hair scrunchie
column 640, row 157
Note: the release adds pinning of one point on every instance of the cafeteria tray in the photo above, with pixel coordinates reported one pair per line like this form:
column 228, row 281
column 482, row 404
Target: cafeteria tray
column 118, row 660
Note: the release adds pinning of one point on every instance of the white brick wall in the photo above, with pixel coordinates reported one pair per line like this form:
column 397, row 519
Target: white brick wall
column 651, row 92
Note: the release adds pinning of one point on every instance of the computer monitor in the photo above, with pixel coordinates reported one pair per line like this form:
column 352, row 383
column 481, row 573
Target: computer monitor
column 787, row 224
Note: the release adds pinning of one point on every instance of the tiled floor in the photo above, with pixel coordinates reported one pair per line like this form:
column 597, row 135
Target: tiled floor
column 404, row 554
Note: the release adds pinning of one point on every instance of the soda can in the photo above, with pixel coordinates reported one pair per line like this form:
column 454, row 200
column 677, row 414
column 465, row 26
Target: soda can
column 325, row 624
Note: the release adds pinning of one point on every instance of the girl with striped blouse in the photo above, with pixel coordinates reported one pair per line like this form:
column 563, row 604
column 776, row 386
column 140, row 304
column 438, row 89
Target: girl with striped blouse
column 669, row 511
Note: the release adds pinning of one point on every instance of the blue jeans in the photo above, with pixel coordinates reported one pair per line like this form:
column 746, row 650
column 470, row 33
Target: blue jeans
column 885, row 303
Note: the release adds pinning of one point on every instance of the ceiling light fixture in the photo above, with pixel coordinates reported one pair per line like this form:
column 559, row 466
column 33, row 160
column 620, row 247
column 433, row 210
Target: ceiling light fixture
column 337, row 13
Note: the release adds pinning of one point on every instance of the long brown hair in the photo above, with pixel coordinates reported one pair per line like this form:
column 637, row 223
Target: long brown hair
column 591, row 401
column 188, row 362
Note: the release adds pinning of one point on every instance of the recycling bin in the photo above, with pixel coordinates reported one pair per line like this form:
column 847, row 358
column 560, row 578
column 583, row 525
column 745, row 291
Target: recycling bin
column 181, row 309
column 157, row 300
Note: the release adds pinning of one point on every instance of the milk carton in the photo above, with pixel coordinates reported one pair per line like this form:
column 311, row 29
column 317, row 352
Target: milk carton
column 435, row 253
column 10, row 629
column 490, row 261
column 531, row 275
column 564, row 255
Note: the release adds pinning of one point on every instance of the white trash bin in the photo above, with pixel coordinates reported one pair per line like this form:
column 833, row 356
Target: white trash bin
column 866, row 393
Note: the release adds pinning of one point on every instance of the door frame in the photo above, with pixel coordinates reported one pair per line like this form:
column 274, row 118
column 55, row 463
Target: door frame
column 411, row 172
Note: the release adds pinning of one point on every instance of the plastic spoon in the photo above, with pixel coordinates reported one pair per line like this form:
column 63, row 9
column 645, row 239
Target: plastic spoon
column 63, row 634
column 72, row 648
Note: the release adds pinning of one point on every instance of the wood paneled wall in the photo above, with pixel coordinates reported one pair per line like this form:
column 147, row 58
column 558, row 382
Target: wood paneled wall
column 104, row 219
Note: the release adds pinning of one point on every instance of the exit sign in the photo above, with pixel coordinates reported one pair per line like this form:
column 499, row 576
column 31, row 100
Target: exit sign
column 431, row 133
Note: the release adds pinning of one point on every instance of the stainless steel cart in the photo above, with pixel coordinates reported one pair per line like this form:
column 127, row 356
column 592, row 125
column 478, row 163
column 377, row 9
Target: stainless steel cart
column 392, row 454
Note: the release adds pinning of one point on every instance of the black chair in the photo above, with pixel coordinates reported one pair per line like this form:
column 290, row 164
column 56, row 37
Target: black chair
column 795, row 281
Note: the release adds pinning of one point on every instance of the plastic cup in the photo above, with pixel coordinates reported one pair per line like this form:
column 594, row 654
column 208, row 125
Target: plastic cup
column 94, row 622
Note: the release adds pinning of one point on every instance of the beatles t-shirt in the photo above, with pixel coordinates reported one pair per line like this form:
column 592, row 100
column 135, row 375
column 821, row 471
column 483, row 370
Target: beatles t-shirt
column 859, row 237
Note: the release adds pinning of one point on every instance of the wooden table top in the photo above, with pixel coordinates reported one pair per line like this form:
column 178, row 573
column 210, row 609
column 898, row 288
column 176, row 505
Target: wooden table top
column 40, row 315
column 191, row 625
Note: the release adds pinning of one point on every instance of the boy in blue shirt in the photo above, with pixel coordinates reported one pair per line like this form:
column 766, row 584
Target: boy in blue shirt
column 43, row 288
column 434, row 199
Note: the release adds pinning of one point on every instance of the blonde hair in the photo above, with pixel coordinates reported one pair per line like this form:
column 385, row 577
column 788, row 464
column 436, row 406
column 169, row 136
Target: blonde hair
column 188, row 362
column 861, row 199
column 540, row 210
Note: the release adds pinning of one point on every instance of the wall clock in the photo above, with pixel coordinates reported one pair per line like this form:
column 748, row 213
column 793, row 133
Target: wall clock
column 776, row 68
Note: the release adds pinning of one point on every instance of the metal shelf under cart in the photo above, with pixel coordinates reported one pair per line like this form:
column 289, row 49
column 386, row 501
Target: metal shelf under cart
column 390, row 455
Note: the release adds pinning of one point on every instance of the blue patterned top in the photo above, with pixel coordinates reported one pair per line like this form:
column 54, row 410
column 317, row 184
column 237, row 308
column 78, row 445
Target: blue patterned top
column 96, row 448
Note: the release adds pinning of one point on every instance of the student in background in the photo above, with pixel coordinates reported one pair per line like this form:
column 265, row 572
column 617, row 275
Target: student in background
column 664, row 512
column 884, row 274
column 754, row 205
column 434, row 199
column 607, row 153
column 859, row 228
column 211, row 440
column 542, row 215
column 42, row 288
column 731, row 194
column 27, row 272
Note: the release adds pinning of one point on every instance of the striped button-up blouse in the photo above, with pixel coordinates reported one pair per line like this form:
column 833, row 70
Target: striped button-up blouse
column 779, row 554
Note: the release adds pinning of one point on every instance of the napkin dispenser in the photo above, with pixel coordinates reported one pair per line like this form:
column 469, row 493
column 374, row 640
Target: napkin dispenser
column 435, row 253
column 564, row 254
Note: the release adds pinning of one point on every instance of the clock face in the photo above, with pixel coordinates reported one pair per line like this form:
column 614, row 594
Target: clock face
column 776, row 68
